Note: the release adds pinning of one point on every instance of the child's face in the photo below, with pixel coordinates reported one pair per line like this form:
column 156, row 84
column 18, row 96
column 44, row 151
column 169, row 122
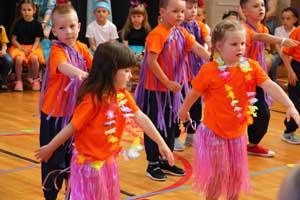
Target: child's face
column 254, row 10
column 66, row 28
column 200, row 14
column 173, row 14
column 137, row 20
column 190, row 11
column 232, row 48
column 101, row 14
column 27, row 11
column 288, row 19
column 122, row 77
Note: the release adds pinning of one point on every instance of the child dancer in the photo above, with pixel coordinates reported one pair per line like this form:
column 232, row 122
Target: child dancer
column 101, row 30
column 289, row 18
column 194, row 62
column 6, row 62
column 136, row 28
column 257, row 36
column 163, row 70
column 291, row 60
column 98, row 122
column 68, row 63
column 26, row 36
column 227, row 84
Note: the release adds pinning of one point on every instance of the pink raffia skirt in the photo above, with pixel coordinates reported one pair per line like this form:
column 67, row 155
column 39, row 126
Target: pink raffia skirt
column 88, row 183
column 221, row 165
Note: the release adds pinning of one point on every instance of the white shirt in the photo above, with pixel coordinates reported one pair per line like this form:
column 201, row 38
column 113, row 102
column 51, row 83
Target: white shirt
column 102, row 33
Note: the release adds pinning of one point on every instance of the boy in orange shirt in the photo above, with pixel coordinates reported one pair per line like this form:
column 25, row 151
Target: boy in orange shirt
column 293, row 68
column 162, row 73
column 257, row 37
column 68, row 64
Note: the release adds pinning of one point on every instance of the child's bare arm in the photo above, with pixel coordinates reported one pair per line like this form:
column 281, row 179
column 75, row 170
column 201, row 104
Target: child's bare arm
column 272, row 39
column 145, row 123
column 275, row 91
column 92, row 43
column 71, row 71
column 46, row 151
column 201, row 51
column 158, row 72
column 189, row 100
column 292, row 77
column 36, row 43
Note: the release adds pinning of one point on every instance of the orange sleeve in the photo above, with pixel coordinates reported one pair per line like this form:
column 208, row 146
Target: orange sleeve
column 155, row 43
column 57, row 55
column 295, row 34
column 260, row 75
column 189, row 38
column 203, row 78
column 131, row 103
column 83, row 113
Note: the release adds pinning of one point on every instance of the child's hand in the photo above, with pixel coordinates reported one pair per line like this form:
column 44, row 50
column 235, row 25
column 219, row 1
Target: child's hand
column 184, row 115
column 166, row 153
column 43, row 153
column 173, row 86
column 291, row 112
column 289, row 42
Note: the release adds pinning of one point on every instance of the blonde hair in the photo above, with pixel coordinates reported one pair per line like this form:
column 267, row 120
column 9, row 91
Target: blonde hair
column 140, row 9
column 220, row 30
column 63, row 9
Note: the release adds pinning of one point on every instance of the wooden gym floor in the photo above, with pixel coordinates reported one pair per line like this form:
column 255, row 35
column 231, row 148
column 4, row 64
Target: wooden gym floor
column 20, row 172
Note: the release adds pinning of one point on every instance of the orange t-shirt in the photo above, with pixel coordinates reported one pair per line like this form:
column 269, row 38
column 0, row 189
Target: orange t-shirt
column 218, row 112
column 155, row 42
column 91, row 139
column 249, row 38
column 294, row 51
column 57, row 56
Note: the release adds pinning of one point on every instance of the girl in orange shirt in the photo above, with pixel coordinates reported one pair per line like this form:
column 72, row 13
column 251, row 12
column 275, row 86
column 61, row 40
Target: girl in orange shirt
column 227, row 84
column 98, row 122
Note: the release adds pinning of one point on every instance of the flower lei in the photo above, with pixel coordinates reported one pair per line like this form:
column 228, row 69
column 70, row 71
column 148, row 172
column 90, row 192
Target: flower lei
column 244, row 116
column 133, row 151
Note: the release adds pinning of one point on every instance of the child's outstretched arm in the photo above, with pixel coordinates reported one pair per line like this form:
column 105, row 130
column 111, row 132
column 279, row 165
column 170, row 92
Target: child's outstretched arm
column 145, row 123
column 201, row 51
column 46, row 151
column 275, row 91
column 158, row 72
column 292, row 77
column 272, row 39
column 189, row 100
column 71, row 71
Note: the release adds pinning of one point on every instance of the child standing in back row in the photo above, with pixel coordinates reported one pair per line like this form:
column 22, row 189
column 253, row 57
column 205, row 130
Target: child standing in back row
column 68, row 64
column 227, row 84
column 257, row 37
column 291, row 60
column 163, row 74
column 98, row 123
column 194, row 62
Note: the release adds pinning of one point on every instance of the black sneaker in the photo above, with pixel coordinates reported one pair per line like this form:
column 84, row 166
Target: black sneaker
column 155, row 173
column 173, row 170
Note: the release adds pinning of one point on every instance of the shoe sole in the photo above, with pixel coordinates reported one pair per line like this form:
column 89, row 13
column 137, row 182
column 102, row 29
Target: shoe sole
column 171, row 173
column 261, row 155
column 288, row 141
column 153, row 178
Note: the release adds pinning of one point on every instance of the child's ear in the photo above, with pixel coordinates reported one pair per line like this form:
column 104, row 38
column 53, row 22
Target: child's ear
column 79, row 25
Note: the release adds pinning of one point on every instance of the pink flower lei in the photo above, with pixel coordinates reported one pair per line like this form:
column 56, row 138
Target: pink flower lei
column 247, row 115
